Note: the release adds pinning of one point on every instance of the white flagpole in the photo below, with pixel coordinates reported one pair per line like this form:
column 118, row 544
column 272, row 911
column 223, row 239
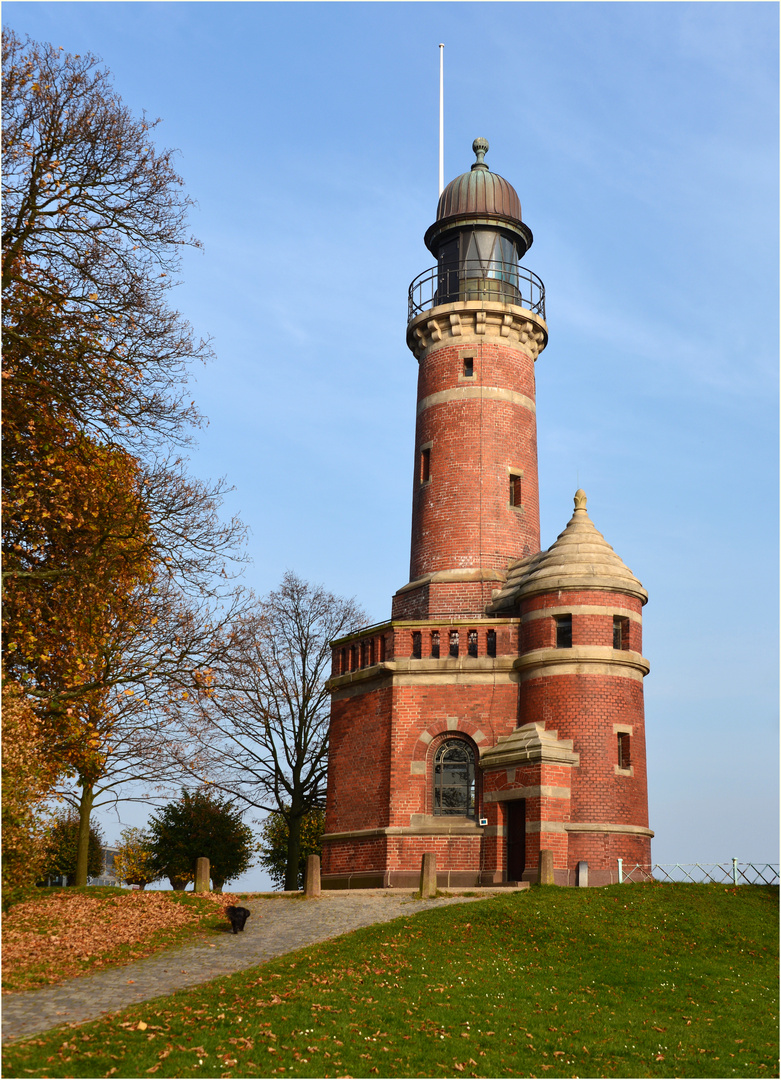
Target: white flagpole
column 441, row 120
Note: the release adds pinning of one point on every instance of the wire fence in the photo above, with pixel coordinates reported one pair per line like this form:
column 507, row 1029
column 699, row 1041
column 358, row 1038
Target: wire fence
column 731, row 873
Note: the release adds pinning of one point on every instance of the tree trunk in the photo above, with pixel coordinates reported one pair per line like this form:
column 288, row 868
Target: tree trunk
column 82, row 850
column 293, row 853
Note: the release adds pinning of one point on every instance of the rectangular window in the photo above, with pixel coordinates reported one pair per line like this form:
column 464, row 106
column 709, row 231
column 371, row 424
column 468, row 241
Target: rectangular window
column 515, row 489
column 624, row 755
column 343, row 664
column 490, row 643
column 416, row 644
column 620, row 632
column 563, row 631
column 471, row 640
column 454, row 642
column 435, row 644
column 469, row 367
column 425, row 465
column 371, row 651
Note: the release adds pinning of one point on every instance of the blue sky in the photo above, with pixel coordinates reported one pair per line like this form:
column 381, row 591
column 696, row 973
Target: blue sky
column 643, row 142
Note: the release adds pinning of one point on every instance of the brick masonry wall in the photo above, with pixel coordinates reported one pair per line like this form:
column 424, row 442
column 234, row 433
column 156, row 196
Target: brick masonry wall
column 584, row 708
column 442, row 599
column 359, row 761
column 425, row 714
column 461, row 517
column 587, row 628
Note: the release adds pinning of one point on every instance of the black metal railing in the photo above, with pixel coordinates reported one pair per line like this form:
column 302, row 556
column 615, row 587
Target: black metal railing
column 475, row 280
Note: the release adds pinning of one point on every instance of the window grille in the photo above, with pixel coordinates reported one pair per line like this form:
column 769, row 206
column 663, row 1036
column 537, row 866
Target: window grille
column 454, row 779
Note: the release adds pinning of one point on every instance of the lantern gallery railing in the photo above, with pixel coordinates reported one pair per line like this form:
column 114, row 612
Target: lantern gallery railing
column 477, row 280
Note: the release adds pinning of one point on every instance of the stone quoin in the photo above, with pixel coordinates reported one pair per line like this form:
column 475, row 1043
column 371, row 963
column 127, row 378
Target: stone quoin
column 499, row 712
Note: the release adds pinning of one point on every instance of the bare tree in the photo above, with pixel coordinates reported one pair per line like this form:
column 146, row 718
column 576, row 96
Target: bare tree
column 268, row 714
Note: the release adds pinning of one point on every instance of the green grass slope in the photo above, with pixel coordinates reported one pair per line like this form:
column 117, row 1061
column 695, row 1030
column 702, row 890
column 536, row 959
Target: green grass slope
column 630, row 981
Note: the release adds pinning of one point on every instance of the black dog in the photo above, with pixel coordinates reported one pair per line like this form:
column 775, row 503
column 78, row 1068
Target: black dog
column 238, row 916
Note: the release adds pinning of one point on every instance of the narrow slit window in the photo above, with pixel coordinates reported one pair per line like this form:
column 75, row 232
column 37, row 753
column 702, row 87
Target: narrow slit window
column 515, row 489
column 454, row 642
column 343, row 663
column 425, row 465
column 620, row 632
column 353, row 658
column 490, row 643
column 363, row 654
column 435, row 644
column 624, row 751
column 416, row 644
column 471, row 642
column 563, row 631
column 382, row 649
column 371, row 651
column 469, row 367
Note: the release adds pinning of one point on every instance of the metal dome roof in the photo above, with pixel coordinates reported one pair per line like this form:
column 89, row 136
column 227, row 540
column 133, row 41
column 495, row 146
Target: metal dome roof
column 481, row 199
column 480, row 192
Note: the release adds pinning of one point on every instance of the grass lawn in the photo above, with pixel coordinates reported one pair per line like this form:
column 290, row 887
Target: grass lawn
column 630, row 981
column 55, row 934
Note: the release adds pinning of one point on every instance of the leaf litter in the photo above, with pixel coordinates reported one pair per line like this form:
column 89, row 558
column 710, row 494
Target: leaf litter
column 48, row 940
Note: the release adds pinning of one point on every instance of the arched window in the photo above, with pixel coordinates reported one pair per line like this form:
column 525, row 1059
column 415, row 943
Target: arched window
column 454, row 778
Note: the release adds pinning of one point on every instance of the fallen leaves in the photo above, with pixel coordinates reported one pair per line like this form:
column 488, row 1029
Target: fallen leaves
column 48, row 940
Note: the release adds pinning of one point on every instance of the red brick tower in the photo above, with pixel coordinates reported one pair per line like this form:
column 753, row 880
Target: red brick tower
column 458, row 726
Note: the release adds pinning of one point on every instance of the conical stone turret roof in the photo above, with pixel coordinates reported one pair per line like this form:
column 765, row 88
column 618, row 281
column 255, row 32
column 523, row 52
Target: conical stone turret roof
column 580, row 558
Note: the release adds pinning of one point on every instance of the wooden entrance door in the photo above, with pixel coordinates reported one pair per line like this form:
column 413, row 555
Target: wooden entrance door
column 516, row 839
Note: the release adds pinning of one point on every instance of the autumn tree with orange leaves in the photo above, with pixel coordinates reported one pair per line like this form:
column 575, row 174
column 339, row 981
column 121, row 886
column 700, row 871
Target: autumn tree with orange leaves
column 116, row 566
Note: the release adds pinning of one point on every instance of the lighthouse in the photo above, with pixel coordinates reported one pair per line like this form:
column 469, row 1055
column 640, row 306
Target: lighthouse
column 499, row 712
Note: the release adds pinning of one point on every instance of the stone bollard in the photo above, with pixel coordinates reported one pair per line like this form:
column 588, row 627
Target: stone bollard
column 201, row 875
column 312, row 877
column 428, row 875
column 545, row 872
column 581, row 874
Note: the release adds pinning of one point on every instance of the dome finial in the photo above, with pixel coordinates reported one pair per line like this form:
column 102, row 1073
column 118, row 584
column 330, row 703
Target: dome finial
column 580, row 499
column 480, row 147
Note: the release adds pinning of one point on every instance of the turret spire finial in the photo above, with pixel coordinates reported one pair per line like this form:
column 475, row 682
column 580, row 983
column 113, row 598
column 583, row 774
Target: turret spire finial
column 580, row 499
column 480, row 147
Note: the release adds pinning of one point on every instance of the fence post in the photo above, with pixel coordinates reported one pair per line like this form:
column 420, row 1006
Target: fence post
column 620, row 871
column 734, row 871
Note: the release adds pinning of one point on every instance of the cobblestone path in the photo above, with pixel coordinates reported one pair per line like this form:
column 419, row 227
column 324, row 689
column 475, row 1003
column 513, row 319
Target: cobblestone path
column 276, row 926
